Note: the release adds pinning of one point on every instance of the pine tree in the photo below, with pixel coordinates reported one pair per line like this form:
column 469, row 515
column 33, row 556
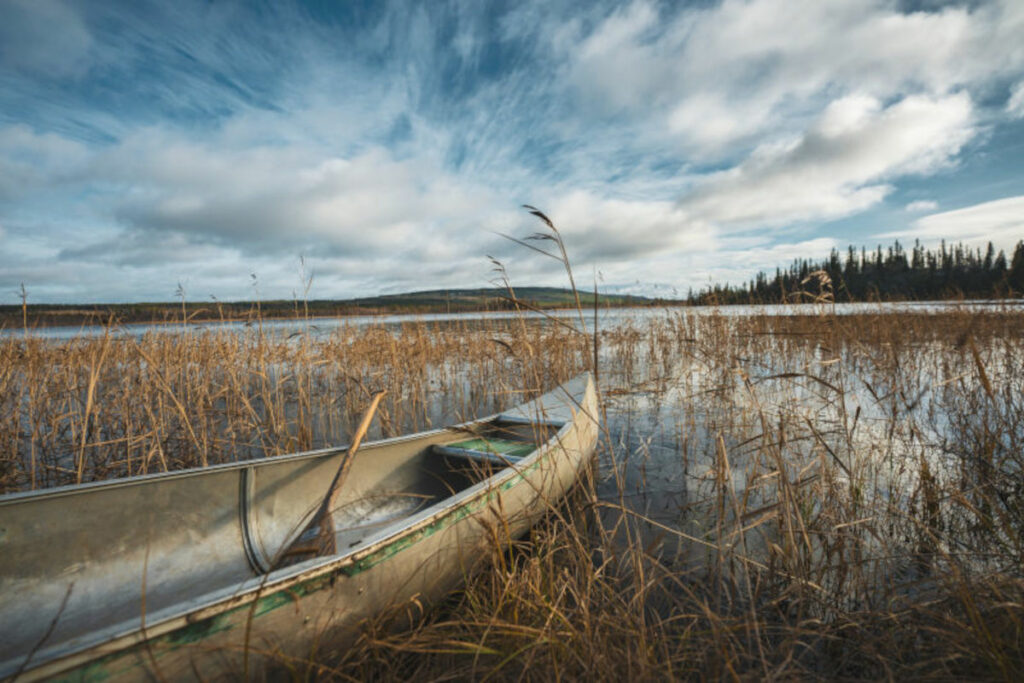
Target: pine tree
column 1016, row 275
column 1000, row 264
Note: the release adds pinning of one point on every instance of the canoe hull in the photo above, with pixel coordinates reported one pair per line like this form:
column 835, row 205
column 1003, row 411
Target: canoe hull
column 291, row 615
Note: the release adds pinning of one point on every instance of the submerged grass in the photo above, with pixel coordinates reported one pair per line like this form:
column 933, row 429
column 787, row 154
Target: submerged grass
column 814, row 496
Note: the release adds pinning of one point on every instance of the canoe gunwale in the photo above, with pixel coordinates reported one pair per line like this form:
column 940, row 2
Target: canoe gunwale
column 248, row 594
column 265, row 461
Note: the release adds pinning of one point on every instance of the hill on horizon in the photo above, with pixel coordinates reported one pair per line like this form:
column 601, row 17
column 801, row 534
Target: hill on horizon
column 425, row 301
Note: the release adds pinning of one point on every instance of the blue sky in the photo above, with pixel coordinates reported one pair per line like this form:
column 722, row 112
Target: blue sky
column 385, row 144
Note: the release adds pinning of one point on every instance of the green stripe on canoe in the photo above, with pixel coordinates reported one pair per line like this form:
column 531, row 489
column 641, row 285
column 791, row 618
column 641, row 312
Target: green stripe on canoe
column 517, row 449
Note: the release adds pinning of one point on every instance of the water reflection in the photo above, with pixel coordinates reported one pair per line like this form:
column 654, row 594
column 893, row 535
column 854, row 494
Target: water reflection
column 321, row 327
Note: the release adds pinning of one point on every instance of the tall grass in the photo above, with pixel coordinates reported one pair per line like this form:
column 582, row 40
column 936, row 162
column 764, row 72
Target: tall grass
column 815, row 496
column 94, row 408
column 803, row 497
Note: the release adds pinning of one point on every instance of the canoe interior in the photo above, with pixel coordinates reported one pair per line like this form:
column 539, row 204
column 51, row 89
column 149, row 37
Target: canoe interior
column 426, row 478
column 111, row 552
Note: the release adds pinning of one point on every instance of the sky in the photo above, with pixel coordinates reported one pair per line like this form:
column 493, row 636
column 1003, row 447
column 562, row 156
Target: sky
column 336, row 149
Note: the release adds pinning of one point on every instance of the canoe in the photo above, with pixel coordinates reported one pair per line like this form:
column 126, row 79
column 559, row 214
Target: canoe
column 175, row 575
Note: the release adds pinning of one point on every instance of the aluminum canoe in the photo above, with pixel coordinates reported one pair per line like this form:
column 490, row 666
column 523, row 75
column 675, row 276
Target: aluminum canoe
column 172, row 576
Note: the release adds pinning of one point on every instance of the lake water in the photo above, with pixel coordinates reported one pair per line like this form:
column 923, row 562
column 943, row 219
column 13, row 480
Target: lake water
column 606, row 318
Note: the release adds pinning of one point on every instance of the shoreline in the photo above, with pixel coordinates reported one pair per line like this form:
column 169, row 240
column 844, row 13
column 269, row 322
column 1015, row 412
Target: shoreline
column 57, row 327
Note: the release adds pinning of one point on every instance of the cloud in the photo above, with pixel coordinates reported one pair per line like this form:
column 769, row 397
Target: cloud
column 1000, row 222
column 1015, row 105
column 715, row 78
column 655, row 134
column 921, row 205
column 840, row 166
column 264, row 200
column 728, row 259
column 746, row 257
column 614, row 229
column 31, row 161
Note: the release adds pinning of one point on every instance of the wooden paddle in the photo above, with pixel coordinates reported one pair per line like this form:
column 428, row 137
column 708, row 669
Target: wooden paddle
column 323, row 522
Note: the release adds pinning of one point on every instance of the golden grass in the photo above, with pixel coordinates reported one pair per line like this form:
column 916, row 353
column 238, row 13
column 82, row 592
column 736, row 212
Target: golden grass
column 95, row 408
column 852, row 508
column 815, row 496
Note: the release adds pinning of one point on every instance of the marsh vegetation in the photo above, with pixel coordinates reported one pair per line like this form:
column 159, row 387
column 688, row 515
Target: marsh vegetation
column 775, row 496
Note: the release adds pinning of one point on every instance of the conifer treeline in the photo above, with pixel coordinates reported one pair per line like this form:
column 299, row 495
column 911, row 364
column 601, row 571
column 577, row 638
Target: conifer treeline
column 893, row 274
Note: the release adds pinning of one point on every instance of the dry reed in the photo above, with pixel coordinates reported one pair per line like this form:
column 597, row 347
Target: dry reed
column 815, row 496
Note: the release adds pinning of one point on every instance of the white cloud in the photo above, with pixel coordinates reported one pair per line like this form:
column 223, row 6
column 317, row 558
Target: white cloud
column 263, row 198
column 30, row 161
column 922, row 205
column 742, row 259
column 616, row 54
column 727, row 260
column 840, row 166
column 655, row 134
column 174, row 205
column 1015, row 105
column 612, row 229
column 1000, row 222
column 715, row 78
column 256, row 199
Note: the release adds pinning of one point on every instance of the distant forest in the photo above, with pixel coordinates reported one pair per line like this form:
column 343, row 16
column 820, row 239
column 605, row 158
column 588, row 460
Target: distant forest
column 893, row 274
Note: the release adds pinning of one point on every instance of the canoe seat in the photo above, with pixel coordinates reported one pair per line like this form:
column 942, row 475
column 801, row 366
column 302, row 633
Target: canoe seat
column 486, row 451
column 519, row 420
